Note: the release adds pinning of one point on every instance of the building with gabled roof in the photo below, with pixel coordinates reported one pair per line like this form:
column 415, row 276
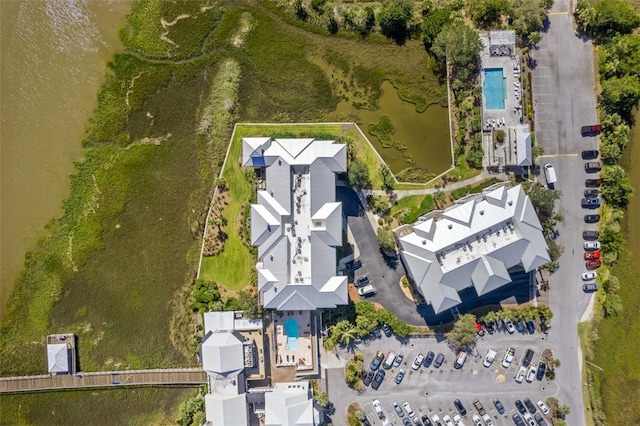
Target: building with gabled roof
column 473, row 243
column 290, row 404
column 296, row 223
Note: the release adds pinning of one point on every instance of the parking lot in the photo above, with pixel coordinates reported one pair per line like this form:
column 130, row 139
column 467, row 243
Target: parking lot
column 432, row 390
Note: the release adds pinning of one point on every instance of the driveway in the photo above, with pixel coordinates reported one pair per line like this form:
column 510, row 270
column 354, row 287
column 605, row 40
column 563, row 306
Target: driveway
column 432, row 391
column 563, row 91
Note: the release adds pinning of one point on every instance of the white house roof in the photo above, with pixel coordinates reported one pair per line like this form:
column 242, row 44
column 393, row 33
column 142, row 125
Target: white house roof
column 523, row 149
column 290, row 404
column 226, row 410
column 296, row 222
column 474, row 243
column 229, row 321
column 502, row 37
column 58, row 358
column 222, row 354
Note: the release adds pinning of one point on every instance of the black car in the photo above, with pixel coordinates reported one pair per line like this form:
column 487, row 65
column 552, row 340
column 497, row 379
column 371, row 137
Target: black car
column 526, row 359
column 592, row 218
column 591, row 192
column 590, row 235
column 520, row 406
column 542, row 368
column 530, row 405
column 362, row 281
column 354, row 265
column 460, row 407
column 387, row 330
column 377, row 333
column 499, row 406
column 518, row 420
column 426, row 421
column 590, row 154
column 375, row 364
column 366, row 380
column 541, row 421
column 428, row 359
column 439, row 360
column 377, row 380
column 590, row 202
column 531, row 327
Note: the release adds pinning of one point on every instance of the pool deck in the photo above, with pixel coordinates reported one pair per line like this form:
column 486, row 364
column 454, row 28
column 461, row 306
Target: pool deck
column 508, row 119
column 302, row 357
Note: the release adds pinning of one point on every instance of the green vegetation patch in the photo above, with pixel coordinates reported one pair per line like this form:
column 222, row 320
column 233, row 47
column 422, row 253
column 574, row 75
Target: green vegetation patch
column 409, row 208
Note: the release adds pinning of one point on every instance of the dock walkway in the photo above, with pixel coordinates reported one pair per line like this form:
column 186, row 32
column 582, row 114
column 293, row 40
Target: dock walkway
column 104, row 379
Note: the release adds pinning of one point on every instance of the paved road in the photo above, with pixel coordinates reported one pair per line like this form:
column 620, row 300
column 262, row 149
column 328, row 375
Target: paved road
column 563, row 91
column 178, row 376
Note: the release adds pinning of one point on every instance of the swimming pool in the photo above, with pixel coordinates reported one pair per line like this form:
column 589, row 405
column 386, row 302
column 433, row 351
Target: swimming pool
column 494, row 88
column 291, row 329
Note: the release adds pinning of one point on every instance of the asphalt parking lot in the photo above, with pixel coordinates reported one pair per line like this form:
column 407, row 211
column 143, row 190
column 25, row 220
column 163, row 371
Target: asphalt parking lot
column 432, row 391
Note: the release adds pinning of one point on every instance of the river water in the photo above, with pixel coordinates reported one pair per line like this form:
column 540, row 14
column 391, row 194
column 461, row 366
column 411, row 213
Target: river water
column 53, row 59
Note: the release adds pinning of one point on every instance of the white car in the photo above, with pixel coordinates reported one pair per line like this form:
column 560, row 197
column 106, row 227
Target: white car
column 591, row 245
column 488, row 360
column 509, row 325
column 408, row 409
column 447, row 420
column 521, row 373
column 417, row 361
column 487, row 420
column 477, row 421
column 508, row 357
column 543, row 407
column 586, row 276
column 531, row 374
column 435, row 419
column 458, row 420
column 529, row 419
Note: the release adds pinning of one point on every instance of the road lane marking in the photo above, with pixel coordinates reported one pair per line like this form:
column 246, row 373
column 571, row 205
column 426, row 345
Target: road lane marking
column 557, row 13
column 557, row 155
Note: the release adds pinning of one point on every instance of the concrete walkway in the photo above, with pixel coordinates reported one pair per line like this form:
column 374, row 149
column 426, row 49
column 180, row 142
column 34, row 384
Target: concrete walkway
column 401, row 193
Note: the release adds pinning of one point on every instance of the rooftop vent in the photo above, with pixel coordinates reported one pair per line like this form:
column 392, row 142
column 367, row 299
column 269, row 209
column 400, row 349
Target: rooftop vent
column 424, row 242
column 510, row 202
column 449, row 226
column 481, row 212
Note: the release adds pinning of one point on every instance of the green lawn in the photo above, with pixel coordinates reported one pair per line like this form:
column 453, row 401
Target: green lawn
column 417, row 205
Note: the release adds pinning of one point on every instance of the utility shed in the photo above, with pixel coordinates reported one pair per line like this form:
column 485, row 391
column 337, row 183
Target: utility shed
column 61, row 354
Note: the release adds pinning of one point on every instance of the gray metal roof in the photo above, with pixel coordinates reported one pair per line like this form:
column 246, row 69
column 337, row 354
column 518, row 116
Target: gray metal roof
column 290, row 404
column 226, row 410
column 222, row 353
column 58, row 358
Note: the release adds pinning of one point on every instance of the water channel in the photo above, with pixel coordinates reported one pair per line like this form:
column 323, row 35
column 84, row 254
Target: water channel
column 53, row 59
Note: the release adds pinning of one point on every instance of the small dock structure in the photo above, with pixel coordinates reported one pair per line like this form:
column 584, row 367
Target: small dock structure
column 61, row 354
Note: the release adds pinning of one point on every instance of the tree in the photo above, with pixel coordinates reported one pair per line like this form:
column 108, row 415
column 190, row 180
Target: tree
column 388, row 181
column 543, row 200
column 220, row 183
column 249, row 304
column 621, row 56
column 191, row 412
column 322, row 399
column 439, row 197
column 365, row 325
column 616, row 186
column 463, row 334
column 585, row 16
column 365, row 20
column 614, row 17
column 500, row 135
column 386, row 240
column 460, row 46
column 488, row 13
column 394, row 19
column 621, row 94
column 561, row 411
column 358, row 175
column 534, row 38
column 612, row 304
column 609, row 152
column 343, row 332
column 475, row 155
column 527, row 16
column 612, row 284
column 434, row 21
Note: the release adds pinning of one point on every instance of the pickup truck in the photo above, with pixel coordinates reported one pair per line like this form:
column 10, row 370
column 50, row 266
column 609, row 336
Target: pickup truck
column 592, row 129
column 378, row 408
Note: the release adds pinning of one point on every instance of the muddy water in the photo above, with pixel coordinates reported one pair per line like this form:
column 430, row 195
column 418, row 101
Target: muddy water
column 633, row 213
column 426, row 134
column 53, row 56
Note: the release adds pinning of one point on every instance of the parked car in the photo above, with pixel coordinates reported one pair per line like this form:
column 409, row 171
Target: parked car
column 477, row 421
column 377, row 333
column 591, row 245
column 399, row 359
column 590, row 203
column 417, row 361
column 489, row 358
column 590, row 154
column 362, row 281
column 590, row 275
column 591, row 192
column 377, row 380
column 408, row 409
column 592, row 183
column 460, row 407
column 592, row 218
column 426, row 421
column 591, row 129
column 590, row 235
column 400, row 376
column 520, row 406
column 542, row 368
column 377, row 361
column 592, row 166
column 531, row 373
column 518, row 420
column 543, row 407
column 428, row 359
column 520, row 327
column 366, row 380
column 386, row 329
column 529, row 419
column 531, row 327
column 479, row 407
column 447, row 420
column 528, row 356
column 398, row 409
column 436, row 420
column 367, row 290
column 499, row 406
column 592, row 255
column 592, row 264
column 406, row 422
column 509, row 325
column 590, row 288
column 457, row 420
column 460, row 359
column 541, row 421
column 508, row 357
column 354, row 265
column 529, row 405
column 487, row 420
column 439, row 360
column 522, row 371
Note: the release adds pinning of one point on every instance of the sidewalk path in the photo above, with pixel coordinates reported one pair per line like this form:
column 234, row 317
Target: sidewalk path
column 450, row 187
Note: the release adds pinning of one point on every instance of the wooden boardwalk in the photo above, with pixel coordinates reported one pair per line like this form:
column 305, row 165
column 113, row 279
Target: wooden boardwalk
column 104, row 379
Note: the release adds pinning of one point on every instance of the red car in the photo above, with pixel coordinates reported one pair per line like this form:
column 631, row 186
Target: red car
column 592, row 255
column 593, row 264
column 592, row 183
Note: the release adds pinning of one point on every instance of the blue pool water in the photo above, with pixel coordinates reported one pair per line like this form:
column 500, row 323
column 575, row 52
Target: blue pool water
column 291, row 329
column 494, row 88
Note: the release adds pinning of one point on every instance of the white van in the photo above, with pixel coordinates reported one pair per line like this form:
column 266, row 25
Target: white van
column 462, row 357
column 388, row 362
column 550, row 174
